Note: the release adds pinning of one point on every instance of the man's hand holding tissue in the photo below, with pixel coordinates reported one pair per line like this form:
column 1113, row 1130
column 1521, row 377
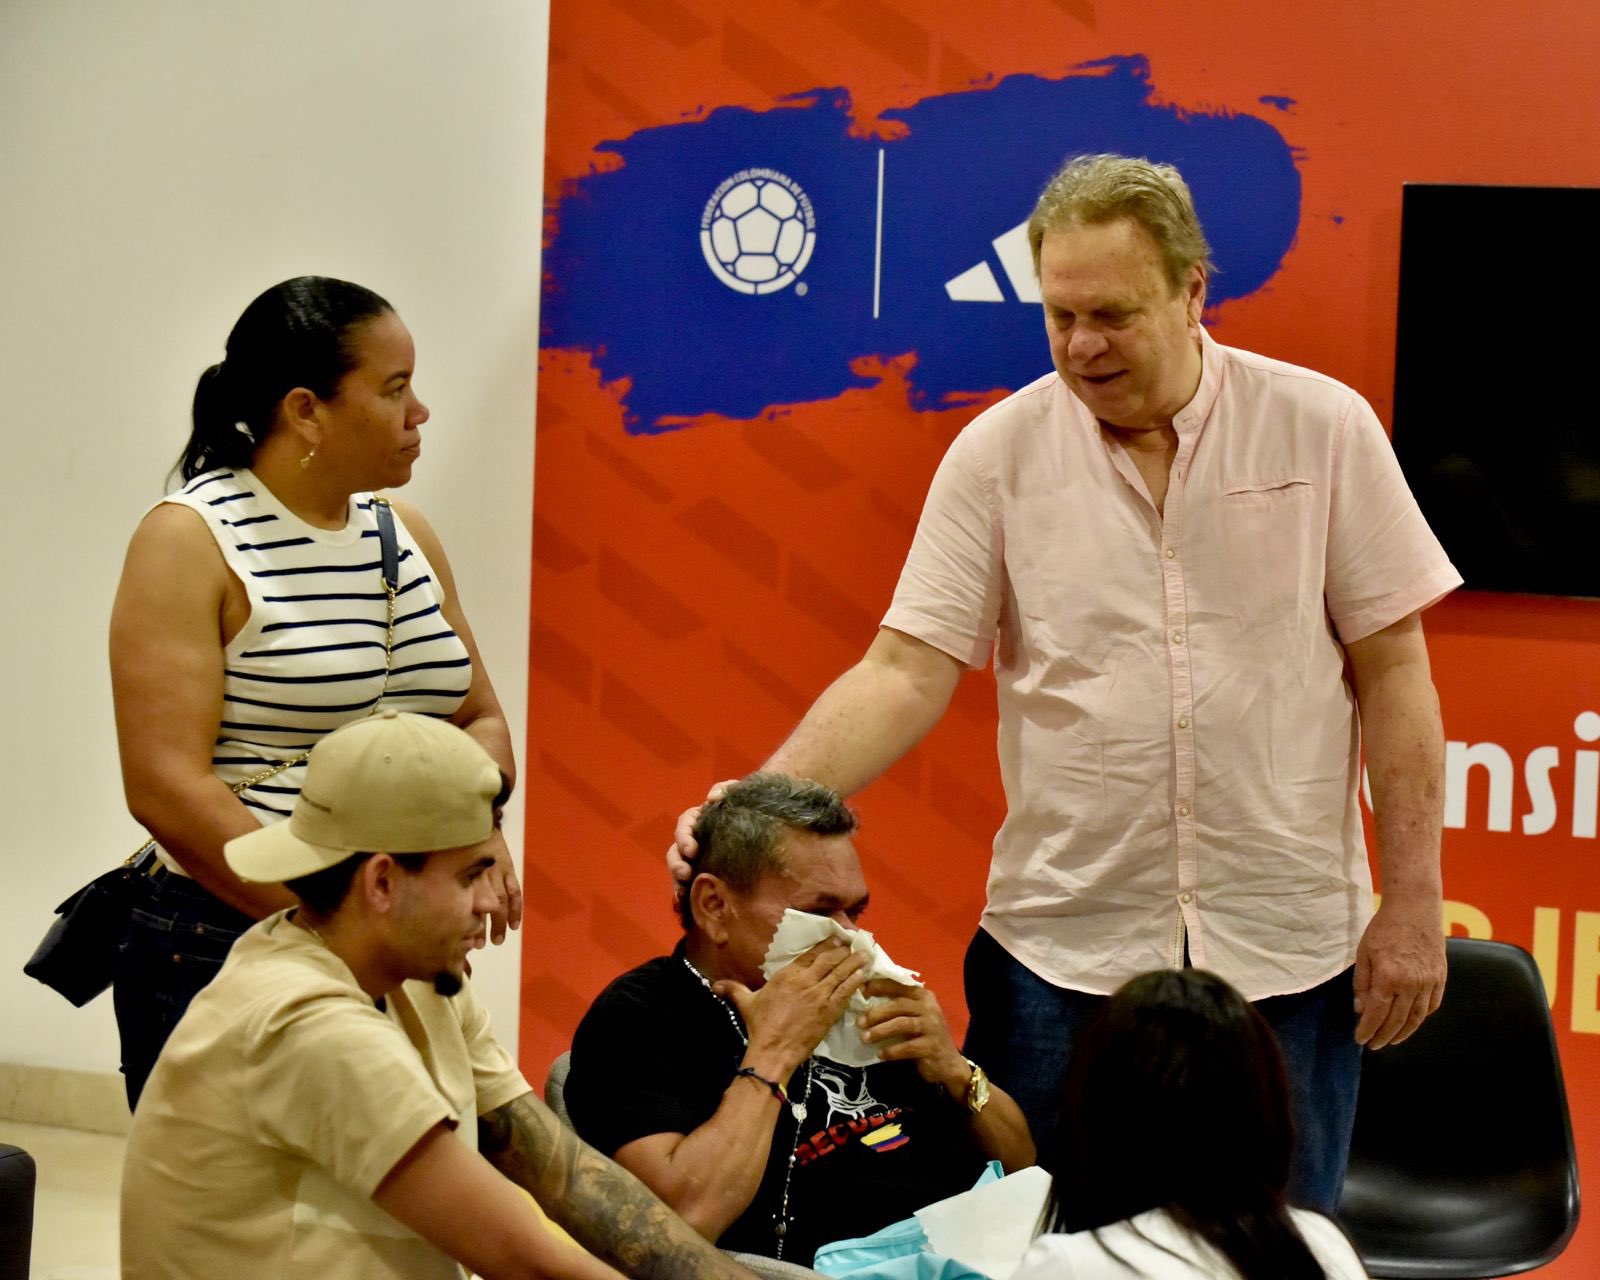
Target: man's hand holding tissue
column 910, row 1020
column 793, row 1010
column 909, row 1025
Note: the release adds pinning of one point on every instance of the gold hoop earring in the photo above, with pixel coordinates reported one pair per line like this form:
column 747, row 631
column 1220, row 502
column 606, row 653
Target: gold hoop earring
column 306, row 461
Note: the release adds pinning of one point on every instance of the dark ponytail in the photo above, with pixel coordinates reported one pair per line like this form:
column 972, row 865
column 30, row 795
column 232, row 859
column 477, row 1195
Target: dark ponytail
column 217, row 439
column 300, row 333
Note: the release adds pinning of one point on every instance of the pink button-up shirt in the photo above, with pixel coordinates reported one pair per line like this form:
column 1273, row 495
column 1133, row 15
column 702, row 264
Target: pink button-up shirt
column 1178, row 742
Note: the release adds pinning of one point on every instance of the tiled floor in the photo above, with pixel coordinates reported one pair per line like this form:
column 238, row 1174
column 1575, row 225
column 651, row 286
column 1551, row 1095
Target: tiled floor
column 75, row 1208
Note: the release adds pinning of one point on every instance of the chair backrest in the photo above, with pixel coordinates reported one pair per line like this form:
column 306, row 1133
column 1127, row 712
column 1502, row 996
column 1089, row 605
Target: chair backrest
column 555, row 1087
column 17, row 1180
column 1462, row 1164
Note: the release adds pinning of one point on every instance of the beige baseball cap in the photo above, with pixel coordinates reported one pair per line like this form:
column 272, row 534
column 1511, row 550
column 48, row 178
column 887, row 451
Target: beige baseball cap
column 395, row 782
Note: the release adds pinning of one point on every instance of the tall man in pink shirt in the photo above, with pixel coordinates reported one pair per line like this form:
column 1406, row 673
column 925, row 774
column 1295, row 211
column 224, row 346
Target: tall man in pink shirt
column 1197, row 572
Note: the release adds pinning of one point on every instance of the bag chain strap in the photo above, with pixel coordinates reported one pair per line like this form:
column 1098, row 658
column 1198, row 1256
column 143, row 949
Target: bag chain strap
column 386, row 537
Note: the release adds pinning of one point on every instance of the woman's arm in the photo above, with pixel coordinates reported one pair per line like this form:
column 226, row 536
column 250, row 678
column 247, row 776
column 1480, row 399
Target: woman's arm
column 479, row 714
column 174, row 602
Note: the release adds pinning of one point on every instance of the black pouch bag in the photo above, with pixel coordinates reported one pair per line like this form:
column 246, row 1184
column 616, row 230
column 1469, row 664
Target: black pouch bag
column 78, row 955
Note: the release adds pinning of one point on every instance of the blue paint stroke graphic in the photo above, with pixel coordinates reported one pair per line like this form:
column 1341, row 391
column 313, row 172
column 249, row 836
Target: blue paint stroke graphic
column 627, row 283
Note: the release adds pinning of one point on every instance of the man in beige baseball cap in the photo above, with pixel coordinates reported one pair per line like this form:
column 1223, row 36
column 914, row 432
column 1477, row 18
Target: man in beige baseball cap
column 415, row 787
column 334, row 1103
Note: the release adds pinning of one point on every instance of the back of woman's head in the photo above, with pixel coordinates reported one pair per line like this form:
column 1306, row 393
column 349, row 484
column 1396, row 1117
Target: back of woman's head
column 301, row 333
column 1176, row 1099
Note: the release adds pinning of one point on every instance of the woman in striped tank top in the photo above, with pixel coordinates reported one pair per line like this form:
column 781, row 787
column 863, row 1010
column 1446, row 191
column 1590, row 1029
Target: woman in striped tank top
column 252, row 619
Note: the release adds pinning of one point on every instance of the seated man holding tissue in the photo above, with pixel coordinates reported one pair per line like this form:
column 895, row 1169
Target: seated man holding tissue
column 777, row 1079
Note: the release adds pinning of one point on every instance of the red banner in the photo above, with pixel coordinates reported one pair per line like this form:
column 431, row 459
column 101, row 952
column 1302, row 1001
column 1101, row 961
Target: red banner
column 780, row 276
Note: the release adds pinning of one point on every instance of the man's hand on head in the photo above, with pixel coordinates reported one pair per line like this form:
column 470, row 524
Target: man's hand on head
column 791, row 1013
column 681, row 852
column 912, row 1022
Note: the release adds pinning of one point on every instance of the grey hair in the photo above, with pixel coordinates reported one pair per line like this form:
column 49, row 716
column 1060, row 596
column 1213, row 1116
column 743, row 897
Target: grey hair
column 1093, row 190
column 741, row 835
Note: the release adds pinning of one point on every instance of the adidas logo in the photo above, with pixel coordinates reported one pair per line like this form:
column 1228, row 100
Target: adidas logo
column 977, row 284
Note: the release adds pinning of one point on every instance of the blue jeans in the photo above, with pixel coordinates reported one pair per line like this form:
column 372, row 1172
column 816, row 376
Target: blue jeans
column 1022, row 1030
column 177, row 939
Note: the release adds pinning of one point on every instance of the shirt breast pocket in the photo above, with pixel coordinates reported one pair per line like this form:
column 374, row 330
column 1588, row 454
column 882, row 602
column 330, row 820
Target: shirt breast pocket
column 1268, row 493
column 1268, row 530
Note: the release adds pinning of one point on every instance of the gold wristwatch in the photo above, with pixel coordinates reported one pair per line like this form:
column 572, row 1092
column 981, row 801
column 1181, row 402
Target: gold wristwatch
column 977, row 1094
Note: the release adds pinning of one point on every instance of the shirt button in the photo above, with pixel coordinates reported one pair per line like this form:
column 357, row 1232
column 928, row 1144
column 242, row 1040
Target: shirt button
column 1183, row 723
column 1183, row 811
column 1170, row 553
column 1177, row 637
column 1186, row 897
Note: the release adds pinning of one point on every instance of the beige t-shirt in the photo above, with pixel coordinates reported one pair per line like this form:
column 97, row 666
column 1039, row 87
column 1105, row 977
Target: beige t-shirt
column 280, row 1103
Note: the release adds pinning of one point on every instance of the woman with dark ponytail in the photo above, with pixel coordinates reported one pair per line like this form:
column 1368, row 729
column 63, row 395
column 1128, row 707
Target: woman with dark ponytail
column 253, row 619
column 1174, row 1148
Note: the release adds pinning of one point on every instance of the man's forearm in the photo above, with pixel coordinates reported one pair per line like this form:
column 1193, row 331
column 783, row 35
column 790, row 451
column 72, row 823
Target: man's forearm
column 871, row 715
column 1002, row 1132
column 1404, row 740
column 601, row 1205
column 710, row 1176
column 1400, row 960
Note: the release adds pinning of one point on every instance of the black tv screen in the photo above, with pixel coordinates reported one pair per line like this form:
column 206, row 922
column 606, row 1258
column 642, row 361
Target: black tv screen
column 1497, row 381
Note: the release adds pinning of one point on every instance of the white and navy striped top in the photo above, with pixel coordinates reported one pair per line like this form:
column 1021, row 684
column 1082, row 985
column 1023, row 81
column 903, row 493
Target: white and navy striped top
column 310, row 657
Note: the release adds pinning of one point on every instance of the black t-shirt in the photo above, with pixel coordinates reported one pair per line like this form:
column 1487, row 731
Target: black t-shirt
column 656, row 1052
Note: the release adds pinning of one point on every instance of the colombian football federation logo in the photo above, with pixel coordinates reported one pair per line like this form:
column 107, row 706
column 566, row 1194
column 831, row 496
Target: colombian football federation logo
column 758, row 231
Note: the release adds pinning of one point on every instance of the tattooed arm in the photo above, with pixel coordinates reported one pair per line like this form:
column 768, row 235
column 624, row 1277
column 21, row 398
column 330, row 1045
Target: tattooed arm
column 451, row 1198
column 603, row 1206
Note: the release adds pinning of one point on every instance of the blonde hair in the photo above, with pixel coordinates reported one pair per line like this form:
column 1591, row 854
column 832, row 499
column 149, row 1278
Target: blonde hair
column 1092, row 190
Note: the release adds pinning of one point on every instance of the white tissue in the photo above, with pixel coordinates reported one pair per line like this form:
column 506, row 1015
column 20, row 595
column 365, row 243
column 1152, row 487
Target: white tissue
column 797, row 933
column 990, row 1227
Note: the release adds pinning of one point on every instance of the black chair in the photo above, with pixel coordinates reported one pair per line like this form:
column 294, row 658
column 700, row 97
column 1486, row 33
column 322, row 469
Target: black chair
column 1462, row 1164
column 17, row 1178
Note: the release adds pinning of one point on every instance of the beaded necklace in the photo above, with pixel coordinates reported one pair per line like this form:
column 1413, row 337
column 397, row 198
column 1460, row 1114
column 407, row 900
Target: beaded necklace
column 797, row 1106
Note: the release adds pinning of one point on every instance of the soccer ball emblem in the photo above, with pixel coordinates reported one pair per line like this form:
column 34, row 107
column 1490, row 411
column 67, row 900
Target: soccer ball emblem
column 758, row 231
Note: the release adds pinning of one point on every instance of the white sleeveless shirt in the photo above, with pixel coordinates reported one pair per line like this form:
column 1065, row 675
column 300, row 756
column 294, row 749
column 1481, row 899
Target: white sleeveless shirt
column 310, row 657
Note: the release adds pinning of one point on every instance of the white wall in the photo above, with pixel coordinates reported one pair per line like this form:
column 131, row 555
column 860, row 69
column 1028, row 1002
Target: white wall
column 160, row 164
